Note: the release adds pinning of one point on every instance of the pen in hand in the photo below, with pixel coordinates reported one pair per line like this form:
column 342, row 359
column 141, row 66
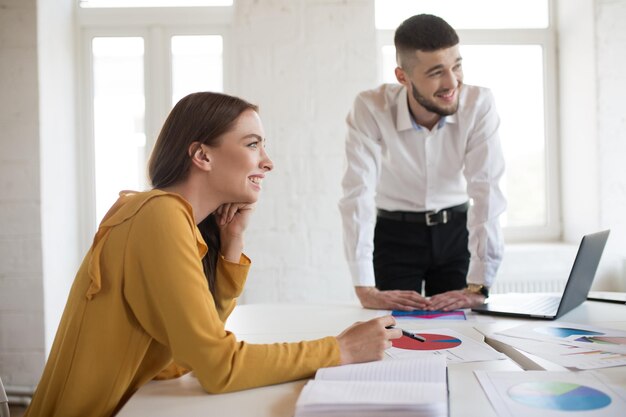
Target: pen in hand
column 409, row 334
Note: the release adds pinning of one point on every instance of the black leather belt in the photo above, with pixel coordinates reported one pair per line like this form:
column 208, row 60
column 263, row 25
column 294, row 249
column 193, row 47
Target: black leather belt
column 429, row 218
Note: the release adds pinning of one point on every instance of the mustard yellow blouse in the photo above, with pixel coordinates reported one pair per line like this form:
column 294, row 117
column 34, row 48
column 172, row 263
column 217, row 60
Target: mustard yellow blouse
column 140, row 300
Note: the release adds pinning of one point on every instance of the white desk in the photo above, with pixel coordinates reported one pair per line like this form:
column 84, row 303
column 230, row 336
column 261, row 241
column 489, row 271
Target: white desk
column 266, row 323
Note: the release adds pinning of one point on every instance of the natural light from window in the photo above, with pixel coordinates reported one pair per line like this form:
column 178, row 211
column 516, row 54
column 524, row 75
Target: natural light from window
column 119, row 128
column 464, row 14
column 152, row 3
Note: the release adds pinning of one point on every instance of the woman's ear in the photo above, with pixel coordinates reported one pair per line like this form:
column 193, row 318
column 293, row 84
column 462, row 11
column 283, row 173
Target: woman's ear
column 199, row 155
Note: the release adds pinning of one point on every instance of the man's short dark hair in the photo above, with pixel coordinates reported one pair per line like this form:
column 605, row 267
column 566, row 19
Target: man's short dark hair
column 423, row 32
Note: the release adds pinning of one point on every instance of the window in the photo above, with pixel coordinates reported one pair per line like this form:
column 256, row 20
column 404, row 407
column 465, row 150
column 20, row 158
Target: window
column 118, row 117
column 510, row 50
column 136, row 66
column 153, row 3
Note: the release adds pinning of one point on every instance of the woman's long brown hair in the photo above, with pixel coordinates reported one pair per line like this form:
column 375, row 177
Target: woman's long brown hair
column 199, row 117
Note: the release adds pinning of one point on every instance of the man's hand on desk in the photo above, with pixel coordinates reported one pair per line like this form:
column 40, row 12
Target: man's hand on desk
column 452, row 300
column 372, row 297
column 367, row 341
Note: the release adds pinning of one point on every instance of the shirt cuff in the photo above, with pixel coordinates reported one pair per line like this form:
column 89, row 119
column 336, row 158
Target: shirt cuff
column 362, row 273
column 482, row 273
column 243, row 260
column 232, row 275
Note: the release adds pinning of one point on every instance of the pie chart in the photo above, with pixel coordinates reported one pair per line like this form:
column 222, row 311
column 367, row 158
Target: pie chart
column 557, row 395
column 565, row 331
column 433, row 342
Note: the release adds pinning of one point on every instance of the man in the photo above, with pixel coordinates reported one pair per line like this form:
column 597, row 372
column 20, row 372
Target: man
column 418, row 153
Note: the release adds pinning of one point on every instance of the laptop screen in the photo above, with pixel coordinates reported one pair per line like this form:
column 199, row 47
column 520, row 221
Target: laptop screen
column 583, row 271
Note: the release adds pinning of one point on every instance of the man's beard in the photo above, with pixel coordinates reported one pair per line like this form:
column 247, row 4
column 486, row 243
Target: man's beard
column 432, row 107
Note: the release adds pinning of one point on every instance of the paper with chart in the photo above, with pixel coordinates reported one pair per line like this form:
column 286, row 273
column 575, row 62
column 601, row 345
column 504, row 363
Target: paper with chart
column 440, row 315
column 414, row 387
column 452, row 345
column 552, row 394
column 580, row 335
column 563, row 354
column 430, row 315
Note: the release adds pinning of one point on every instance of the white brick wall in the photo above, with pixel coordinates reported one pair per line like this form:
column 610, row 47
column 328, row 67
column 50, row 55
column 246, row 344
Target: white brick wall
column 21, row 294
column 302, row 62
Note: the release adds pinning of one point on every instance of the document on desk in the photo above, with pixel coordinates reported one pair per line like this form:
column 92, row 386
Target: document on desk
column 581, row 335
column 570, row 345
column 451, row 345
column 552, row 394
column 429, row 315
column 409, row 387
column 563, row 354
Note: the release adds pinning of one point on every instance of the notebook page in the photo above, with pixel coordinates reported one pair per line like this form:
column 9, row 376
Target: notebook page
column 354, row 393
column 428, row 369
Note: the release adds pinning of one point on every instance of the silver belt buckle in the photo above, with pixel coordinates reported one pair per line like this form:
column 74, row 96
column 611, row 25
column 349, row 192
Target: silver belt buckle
column 431, row 222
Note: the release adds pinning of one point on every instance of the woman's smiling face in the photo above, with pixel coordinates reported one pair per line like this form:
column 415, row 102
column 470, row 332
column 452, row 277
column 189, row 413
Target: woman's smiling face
column 239, row 163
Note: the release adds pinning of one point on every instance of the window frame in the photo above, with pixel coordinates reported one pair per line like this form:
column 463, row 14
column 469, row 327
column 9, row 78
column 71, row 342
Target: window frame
column 156, row 26
column 547, row 39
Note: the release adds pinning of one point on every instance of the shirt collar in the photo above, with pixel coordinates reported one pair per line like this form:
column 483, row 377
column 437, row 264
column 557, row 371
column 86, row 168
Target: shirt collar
column 405, row 120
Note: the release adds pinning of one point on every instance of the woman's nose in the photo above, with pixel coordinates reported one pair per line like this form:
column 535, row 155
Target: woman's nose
column 266, row 162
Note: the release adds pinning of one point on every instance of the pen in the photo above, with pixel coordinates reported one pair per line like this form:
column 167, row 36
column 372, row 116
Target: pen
column 409, row 334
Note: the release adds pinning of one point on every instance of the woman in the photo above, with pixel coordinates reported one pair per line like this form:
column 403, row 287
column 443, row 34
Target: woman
column 164, row 270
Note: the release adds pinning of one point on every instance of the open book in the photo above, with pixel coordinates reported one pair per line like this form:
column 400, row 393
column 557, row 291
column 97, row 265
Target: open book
column 397, row 387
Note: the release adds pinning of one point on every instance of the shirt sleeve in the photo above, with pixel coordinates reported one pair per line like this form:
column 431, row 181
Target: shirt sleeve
column 166, row 289
column 358, row 207
column 484, row 168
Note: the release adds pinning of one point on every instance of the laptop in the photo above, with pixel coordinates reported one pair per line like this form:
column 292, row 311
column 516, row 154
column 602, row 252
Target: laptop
column 550, row 307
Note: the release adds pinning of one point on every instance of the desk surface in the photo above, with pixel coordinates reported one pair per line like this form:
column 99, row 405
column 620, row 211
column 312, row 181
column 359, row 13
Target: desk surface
column 267, row 323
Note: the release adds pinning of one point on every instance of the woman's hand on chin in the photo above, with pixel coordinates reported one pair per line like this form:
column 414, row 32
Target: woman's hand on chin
column 232, row 219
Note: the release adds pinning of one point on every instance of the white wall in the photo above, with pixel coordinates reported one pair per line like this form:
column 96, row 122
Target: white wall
column 611, row 130
column 37, row 181
column 21, row 294
column 58, row 155
column 593, row 128
column 302, row 62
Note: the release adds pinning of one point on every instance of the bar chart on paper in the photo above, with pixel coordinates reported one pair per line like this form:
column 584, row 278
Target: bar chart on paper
column 430, row 315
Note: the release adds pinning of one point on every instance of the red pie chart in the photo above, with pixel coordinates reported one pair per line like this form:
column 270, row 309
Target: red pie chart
column 433, row 342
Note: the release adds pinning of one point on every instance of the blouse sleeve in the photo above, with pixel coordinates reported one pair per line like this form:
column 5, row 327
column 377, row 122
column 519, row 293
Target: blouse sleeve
column 166, row 289
column 229, row 282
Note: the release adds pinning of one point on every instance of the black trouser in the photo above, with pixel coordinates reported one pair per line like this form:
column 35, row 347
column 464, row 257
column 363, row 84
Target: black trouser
column 408, row 254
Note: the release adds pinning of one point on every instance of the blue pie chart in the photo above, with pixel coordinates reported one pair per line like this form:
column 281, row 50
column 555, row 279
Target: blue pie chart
column 558, row 395
column 566, row 331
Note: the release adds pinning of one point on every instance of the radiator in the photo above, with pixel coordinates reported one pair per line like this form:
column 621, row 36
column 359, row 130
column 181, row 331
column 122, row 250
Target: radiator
column 504, row 286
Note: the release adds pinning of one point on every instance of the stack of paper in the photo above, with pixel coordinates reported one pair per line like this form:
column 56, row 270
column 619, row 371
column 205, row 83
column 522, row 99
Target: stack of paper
column 415, row 387
column 570, row 345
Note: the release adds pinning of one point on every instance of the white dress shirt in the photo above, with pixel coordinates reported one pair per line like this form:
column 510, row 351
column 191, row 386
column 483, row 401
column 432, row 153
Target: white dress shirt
column 394, row 164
